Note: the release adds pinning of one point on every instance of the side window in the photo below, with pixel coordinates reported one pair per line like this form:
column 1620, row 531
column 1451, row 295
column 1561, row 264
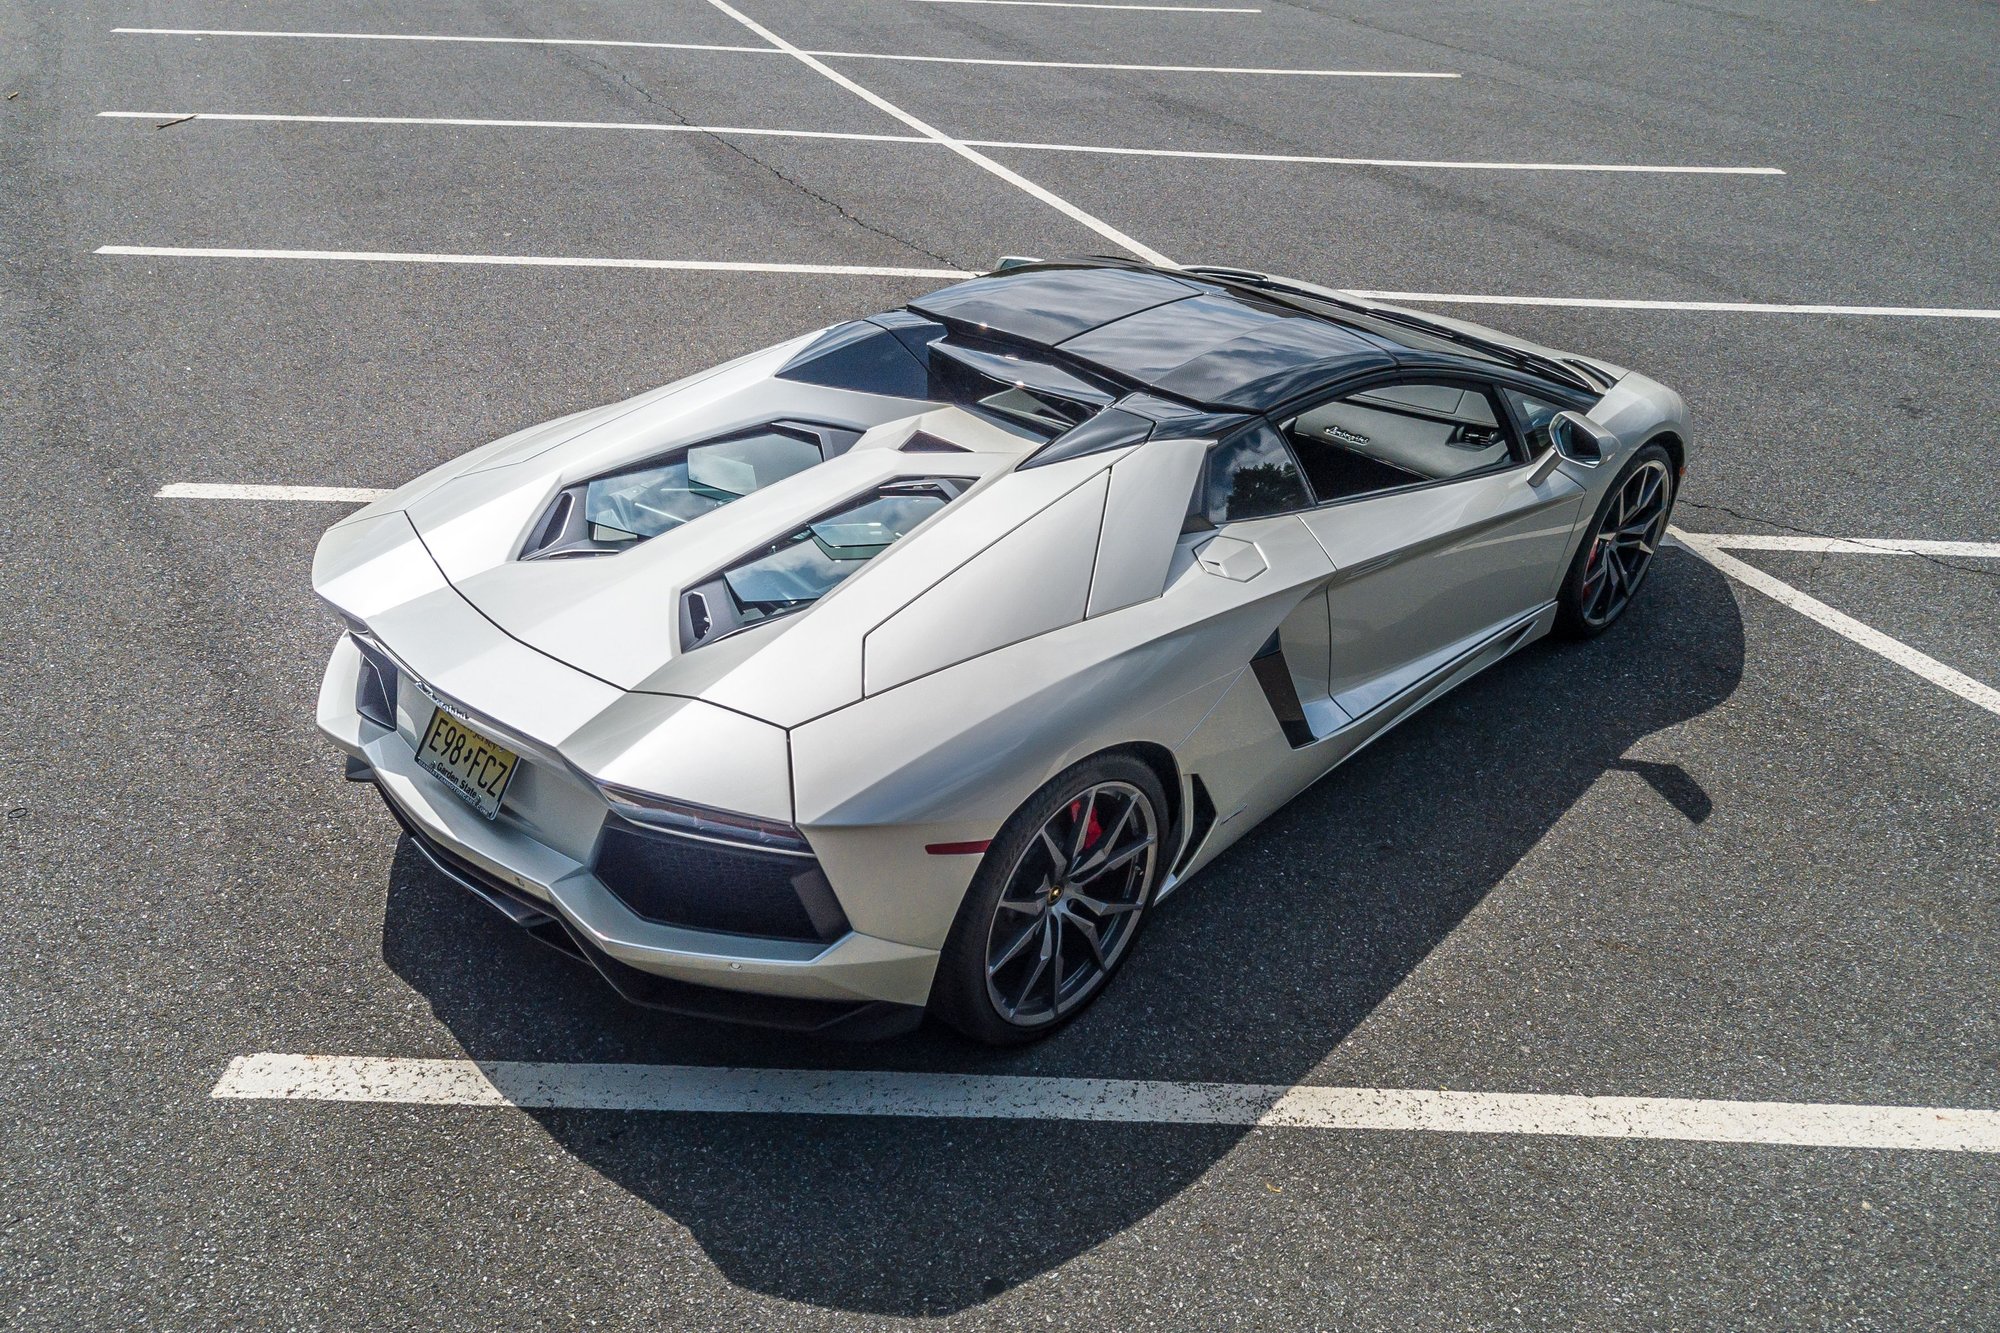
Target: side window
column 1250, row 475
column 1534, row 414
column 1395, row 435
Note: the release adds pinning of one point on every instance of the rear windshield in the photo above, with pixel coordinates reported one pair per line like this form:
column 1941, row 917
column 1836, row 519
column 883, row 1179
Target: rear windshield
column 1013, row 386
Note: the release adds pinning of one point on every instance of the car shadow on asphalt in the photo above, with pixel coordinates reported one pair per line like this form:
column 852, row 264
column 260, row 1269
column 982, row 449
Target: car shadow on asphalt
column 1256, row 973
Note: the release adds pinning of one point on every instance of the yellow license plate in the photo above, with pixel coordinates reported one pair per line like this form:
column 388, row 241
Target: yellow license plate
column 467, row 762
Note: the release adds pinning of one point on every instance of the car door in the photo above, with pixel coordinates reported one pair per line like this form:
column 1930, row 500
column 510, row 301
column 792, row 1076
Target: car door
column 1440, row 539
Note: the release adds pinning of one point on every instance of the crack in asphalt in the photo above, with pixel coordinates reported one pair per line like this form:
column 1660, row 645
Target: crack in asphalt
column 1941, row 562
column 647, row 97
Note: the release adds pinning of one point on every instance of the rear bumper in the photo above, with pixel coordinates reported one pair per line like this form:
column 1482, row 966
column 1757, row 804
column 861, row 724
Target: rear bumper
column 862, row 1020
column 539, row 877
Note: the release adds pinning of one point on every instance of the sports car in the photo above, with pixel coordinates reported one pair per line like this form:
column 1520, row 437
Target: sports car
column 907, row 665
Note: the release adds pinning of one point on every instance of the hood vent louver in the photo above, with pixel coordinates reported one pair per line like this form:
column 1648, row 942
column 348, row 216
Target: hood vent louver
column 618, row 510
column 799, row 568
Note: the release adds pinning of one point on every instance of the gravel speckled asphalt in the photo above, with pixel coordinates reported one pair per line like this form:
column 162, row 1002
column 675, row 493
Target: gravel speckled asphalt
column 1720, row 852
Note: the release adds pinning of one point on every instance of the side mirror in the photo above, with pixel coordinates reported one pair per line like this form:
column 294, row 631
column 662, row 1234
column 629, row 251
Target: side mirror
column 1012, row 262
column 1576, row 439
column 1579, row 439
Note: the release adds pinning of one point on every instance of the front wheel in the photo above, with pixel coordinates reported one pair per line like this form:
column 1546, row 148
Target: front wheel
column 1056, row 904
column 1617, row 552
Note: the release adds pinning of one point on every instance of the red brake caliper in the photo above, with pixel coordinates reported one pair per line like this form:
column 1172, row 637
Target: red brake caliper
column 1095, row 830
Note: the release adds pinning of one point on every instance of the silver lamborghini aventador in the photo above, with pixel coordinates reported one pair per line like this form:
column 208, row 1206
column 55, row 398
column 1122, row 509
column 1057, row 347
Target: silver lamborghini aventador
column 908, row 664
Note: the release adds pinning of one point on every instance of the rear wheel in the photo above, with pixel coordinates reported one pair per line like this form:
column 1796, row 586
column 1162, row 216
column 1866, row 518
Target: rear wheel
column 1056, row 904
column 1617, row 553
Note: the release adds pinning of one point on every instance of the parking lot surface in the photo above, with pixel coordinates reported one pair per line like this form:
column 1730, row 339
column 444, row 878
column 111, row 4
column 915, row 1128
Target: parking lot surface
column 1736, row 852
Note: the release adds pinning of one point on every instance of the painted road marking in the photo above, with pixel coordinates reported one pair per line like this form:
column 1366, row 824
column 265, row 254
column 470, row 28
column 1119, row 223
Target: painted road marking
column 1849, row 545
column 773, row 50
column 735, row 130
column 1745, row 307
column 614, row 1087
column 531, row 261
column 650, row 126
column 190, row 490
column 874, row 270
column 1084, row 4
column 1319, row 160
column 925, row 128
column 1932, row 670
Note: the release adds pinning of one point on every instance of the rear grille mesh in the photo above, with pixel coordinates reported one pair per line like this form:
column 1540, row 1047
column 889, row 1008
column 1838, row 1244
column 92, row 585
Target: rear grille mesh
column 705, row 886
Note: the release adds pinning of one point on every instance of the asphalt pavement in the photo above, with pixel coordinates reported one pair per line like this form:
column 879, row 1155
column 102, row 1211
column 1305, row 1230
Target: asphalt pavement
column 1724, row 852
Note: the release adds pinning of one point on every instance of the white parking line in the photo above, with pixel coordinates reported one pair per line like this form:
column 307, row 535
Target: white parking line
column 440, row 37
column 645, row 125
column 732, row 130
column 611, row 1087
column 1895, row 650
column 1145, row 69
column 1744, row 307
column 1850, row 545
column 870, row 270
column 925, row 128
column 1083, row 4
column 194, row 490
column 1317, row 160
column 530, row 261
column 767, row 51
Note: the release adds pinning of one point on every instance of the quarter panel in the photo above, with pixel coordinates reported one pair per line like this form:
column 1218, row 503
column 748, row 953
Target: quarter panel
column 814, row 665
column 947, row 757
column 1031, row 581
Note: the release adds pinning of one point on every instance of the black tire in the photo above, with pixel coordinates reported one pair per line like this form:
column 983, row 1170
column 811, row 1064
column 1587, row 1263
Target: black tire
column 975, row 1002
column 1586, row 606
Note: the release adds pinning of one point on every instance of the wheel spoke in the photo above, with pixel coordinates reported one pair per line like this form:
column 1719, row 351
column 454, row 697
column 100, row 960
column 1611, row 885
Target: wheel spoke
column 1055, row 920
column 1098, row 862
column 1057, row 861
column 1041, row 966
column 1651, row 490
column 1101, row 908
column 1089, row 933
column 1595, row 575
column 1028, row 935
column 1599, row 602
column 1082, row 831
column 1111, row 863
column 1034, row 904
